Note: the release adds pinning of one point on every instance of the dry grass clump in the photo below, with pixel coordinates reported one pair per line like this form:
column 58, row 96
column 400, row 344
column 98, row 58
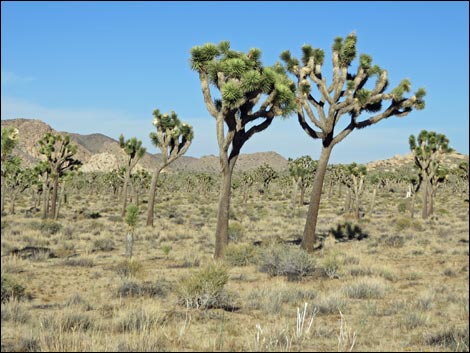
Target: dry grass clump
column 286, row 260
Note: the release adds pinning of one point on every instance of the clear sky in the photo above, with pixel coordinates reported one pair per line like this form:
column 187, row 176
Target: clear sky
column 103, row 67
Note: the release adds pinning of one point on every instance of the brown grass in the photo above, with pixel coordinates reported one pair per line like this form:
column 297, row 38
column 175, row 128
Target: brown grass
column 404, row 288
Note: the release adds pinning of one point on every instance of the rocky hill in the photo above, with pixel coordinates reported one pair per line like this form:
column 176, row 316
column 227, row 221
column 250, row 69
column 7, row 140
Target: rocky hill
column 102, row 153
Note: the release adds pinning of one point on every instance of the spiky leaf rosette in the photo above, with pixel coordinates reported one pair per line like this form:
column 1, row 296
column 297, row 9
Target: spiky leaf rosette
column 240, row 77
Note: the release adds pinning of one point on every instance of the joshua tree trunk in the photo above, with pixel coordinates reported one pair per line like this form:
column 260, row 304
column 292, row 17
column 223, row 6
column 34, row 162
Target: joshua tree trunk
column 223, row 213
column 45, row 205
column 55, row 188
column 425, row 210
column 129, row 244
column 124, row 191
column 152, row 194
column 302, row 194
column 347, row 202
column 309, row 236
column 3, row 196
column 61, row 196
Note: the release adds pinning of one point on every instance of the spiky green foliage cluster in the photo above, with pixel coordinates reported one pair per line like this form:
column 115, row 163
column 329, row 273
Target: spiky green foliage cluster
column 428, row 143
column 132, row 215
column 357, row 169
column 59, row 152
column 302, row 167
column 170, row 130
column 132, row 147
column 9, row 140
column 241, row 77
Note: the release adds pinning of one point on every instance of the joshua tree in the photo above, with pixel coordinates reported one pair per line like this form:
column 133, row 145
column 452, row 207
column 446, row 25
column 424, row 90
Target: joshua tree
column 249, row 92
column 302, row 170
column 18, row 180
column 173, row 138
column 134, row 151
column 356, row 174
column 9, row 141
column 140, row 182
column 265, row 174
column 428, row 150
column 348, row 94
column 59, row 154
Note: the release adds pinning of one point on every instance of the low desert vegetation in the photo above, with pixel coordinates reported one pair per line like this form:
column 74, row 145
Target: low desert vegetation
column 385, row 281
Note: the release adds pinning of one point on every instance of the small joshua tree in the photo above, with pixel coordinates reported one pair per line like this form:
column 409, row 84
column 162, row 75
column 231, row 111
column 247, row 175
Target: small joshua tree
column 356, row 174
column 428, row 150
column 58, row 152
column 302, row 170
column 322, row 106
column 131, row 220
column 173, row 138
column 249, row 93
column 134, row 151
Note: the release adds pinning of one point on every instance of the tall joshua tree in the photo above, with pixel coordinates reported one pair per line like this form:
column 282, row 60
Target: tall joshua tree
column 173, row 138
column 249, row 92
column 428, row 150
column 134, row 151
column 319, row 111
column 58, row 152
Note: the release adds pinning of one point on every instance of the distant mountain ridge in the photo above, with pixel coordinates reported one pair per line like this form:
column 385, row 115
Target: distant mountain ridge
column 99, row 152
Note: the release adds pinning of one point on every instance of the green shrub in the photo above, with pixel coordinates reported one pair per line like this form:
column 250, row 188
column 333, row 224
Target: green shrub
column 11, row 289
column 235, row 231
column 286, row 260
column 402, row 223
column 103, row 244
column 129, row 268
column 204, row 289
column 160, row 289
column 402, row 207
column 239, row 254
column 365, row 289
column 50, row 227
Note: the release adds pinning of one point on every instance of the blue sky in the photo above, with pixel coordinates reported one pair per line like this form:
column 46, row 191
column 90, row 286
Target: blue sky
column 103, row 67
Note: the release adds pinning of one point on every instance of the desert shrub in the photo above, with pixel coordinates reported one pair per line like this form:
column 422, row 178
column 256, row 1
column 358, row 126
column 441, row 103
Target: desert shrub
column 10, row 289
column 395, row 241
column 402, row 223
column 114, row 218
column 103, row 244
column 454, row 339
column 160, row 289
column 240, row 254
column 80, row 262
column 348, row 231
column 402, row 207
column 138, row 319
column 15, row 312
column 129, row 268
column 204, row 289
column 286, row 260
column 413, row 320
column 235, row 231
column 67, row 322
column 331, row 265
column 364, row 289
column 50, row 227
column 330, row 304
